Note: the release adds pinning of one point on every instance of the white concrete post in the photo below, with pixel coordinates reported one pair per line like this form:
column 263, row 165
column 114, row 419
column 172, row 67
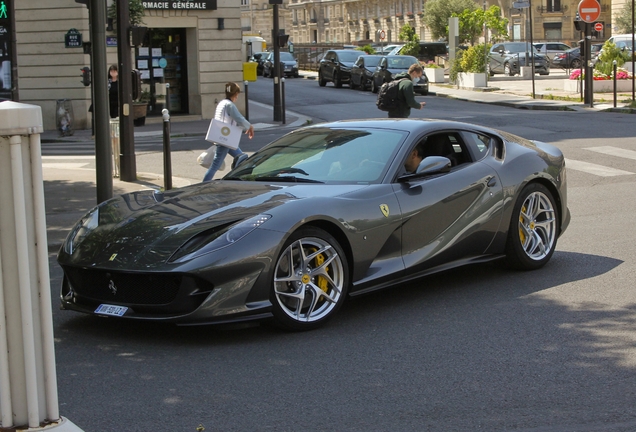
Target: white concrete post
column 28, row 382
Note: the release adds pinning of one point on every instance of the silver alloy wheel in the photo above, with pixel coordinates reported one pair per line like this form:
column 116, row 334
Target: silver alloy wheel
column 537, row 226
column 309, row 279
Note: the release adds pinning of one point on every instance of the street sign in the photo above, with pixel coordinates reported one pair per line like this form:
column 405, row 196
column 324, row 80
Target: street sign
column 73, row 39
column 382, row 34
column 521, row 4
column 589, row 10
column 598, row 27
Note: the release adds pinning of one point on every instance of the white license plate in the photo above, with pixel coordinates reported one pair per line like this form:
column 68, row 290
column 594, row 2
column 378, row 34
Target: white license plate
column 112, row 310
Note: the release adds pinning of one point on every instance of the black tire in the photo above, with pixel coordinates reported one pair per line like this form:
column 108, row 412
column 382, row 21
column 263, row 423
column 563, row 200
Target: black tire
column 576, row 64
column 321, row 81
column 533, row 230
column 490, row 72
column 302, row 297
column 352, row 85
column 337, row 81
column 374, row 87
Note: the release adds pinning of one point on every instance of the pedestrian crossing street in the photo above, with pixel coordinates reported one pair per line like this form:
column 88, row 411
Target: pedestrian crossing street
column 63, row 157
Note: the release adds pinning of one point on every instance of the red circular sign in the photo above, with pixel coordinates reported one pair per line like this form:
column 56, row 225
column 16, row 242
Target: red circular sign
column 382, row 35
column 598, row 27
column 589, row 10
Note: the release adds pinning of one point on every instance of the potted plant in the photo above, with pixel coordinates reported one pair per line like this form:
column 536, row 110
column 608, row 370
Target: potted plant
column 469, row 67
column 140, row 108
column 433, row 71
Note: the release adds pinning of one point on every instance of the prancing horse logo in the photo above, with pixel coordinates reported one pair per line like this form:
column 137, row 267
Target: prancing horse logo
column 112, row 287
column 385, row 210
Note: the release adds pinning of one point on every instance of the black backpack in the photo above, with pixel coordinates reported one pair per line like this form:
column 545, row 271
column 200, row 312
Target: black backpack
column 388, row 95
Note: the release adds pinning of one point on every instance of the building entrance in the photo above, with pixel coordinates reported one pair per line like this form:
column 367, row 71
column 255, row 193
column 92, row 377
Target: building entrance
column 161, row 59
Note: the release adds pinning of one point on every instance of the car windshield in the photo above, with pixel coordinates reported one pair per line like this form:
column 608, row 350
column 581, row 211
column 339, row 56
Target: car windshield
column 324, row 155
column 287, row 56
column 519, row 47
column 402, row 62
column 349, row 56
column 371, row 61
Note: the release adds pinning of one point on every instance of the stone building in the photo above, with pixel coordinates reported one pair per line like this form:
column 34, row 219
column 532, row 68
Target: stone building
column 354, row 21
column 193, row 45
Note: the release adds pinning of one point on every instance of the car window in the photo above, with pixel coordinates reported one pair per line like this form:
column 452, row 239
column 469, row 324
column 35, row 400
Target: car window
column 346, row 155
column 478, row 143
column 287, row 56
column 447, row 144
column 370, row 61
column 349, row 56
column 496, row 48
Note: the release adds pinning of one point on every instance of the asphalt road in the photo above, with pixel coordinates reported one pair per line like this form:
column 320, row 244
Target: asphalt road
column 480, row 348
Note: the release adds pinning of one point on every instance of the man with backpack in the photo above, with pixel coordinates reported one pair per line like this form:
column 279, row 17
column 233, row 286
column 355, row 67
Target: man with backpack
column 398, row 96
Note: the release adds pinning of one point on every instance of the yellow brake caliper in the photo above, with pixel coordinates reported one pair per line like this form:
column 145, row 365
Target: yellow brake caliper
column 522, row 235
column 321, row 281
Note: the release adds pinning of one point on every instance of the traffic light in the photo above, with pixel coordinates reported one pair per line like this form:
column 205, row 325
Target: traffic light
column 136, row 84
column 86, row 76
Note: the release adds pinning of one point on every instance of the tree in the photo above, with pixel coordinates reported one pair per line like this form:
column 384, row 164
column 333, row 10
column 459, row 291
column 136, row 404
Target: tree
column 412, row 45
column 437, row 13
column 135, row 9
column 471, row 24
column 623, row 19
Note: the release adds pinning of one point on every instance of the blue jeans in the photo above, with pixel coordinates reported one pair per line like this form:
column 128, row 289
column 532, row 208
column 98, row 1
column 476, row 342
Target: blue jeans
column 221, row 153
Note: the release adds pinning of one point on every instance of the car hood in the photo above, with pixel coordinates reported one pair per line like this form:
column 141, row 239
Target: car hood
column 154, row 222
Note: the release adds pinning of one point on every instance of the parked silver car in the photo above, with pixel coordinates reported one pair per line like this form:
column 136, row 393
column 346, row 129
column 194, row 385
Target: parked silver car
column 508, row 57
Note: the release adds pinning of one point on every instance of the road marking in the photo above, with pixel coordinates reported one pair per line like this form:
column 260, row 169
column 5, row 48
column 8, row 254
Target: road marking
column 67, row 157
column 65, row 165
column 614, row 151
column 595, row 169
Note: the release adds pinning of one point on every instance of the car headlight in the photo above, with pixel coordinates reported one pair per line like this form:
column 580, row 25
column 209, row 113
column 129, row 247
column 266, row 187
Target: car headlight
column 87, row 224
column 217, row 238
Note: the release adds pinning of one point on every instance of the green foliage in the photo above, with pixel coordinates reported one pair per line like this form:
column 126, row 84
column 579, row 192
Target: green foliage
column 623, row 19
column 412, row 45
column 610, row 52
column 471, row 24
column 367, row 49
column 437, row 13
column 135, row 9
column 472, row 60
column 430, row 65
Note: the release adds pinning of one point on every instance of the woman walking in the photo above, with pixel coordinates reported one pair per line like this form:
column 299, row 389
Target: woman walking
column 226, row 110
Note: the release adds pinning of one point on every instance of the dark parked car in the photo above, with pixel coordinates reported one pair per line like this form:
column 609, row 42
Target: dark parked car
column 288, row 61
column 550, row 49
column 362, row 71
column 392, row 65
column 259, row 58
column 323, row 213
column 508, row 58
column 570, row 59
column 336, row 66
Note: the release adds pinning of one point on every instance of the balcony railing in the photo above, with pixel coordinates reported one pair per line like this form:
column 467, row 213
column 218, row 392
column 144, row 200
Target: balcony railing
column 552, row 9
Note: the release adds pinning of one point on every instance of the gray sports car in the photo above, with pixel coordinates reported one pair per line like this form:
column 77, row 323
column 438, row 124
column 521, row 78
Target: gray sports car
column 323, row 213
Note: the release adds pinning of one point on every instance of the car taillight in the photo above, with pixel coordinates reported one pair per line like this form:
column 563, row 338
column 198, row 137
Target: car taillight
column 561, row 56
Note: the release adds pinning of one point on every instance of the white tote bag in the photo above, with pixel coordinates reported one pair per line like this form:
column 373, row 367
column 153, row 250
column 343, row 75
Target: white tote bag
column 206, row 158
column 224, row 133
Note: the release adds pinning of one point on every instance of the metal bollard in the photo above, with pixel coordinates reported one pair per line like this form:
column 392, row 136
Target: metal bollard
column 247, row 105
column 283, row 98
column 614, row 62
column 167, row 164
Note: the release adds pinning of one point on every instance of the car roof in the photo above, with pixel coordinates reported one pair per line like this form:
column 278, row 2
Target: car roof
column 407, row 125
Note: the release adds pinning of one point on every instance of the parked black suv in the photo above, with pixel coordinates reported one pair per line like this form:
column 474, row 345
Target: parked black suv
column 336, row 66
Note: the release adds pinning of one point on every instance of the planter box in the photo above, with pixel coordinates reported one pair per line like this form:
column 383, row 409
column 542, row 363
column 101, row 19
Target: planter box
column 601, row 86
column 468, row 79
column 434, row 75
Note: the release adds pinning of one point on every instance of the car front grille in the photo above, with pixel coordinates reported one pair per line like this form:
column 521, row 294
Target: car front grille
column 124, row 288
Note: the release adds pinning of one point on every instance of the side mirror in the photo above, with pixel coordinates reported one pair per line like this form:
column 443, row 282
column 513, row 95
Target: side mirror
column 429, row 166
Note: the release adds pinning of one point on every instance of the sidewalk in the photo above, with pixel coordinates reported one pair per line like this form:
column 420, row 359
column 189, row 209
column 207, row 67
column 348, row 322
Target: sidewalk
column 71, row 191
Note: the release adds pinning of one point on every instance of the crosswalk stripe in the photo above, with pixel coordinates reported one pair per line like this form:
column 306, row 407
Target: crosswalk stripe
column 595, row 169
column 614, row 151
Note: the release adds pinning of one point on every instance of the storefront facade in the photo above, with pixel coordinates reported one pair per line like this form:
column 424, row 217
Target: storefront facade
column 191, row 49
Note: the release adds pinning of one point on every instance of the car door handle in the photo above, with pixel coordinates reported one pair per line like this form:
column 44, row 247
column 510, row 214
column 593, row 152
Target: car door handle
column 492, row 181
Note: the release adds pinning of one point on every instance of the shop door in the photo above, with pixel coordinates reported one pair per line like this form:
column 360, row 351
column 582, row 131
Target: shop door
column 162, row 62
